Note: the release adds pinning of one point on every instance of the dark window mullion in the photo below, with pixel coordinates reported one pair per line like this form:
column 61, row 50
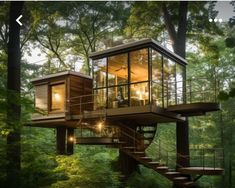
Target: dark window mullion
column 150, row 75
column 129, row 78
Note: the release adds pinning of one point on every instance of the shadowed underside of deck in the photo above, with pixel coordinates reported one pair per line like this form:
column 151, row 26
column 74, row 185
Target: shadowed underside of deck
column 202, row 170
column 194, row 109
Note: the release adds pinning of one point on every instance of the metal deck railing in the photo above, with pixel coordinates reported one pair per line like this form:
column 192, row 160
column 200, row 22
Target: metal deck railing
column 200, row 90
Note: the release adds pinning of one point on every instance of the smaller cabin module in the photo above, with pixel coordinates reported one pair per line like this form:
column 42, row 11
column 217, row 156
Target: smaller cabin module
column 55, row 95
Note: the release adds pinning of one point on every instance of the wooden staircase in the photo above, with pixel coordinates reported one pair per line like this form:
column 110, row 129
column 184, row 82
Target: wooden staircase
column 134, row 142
column 175, row 176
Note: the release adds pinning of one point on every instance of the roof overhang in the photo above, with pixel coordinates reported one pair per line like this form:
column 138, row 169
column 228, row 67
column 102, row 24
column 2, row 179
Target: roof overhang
column 137, row 45
column 60, row 74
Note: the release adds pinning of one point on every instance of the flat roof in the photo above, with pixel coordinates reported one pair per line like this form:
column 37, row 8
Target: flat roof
column 137, row 44
column 61, row 74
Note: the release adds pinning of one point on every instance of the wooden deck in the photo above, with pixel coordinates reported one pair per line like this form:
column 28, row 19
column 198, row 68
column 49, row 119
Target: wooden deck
column 194, row 109
column 202, row 170
column 148, row 114
column 97, row 141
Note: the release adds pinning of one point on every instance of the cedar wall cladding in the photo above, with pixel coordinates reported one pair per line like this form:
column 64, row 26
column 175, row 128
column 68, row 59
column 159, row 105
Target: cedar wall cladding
column 75, row 85
column 80, row 86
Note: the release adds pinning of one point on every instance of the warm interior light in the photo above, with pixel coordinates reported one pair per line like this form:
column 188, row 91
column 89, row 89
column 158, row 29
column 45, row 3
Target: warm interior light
column 71, row 139
column 57, row 96
column 100, row 126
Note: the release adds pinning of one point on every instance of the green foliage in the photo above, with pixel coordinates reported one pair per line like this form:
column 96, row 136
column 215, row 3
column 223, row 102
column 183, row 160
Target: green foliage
column 230, row 42
column 147, row 179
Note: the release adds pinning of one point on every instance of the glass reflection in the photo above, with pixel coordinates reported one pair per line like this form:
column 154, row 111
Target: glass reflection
column 157, row 97
column 118, row 97
column 139, row 65
column 57, row 97
column 99, row 99
column 118, row 69
column 169, row 81
column 99, row 73
column 139, row 94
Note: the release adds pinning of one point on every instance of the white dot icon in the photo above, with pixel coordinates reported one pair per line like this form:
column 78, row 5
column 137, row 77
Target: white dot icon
column 210, row 20
column 220, row 20
column 215, row 20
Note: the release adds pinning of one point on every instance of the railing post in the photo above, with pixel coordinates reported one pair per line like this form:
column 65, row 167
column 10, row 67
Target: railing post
column 159, row 150
column 167, row 94
column 190, row 90
column 215, row 99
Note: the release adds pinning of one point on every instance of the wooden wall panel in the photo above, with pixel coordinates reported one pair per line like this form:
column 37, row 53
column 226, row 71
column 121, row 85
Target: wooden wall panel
column 41, row 97
column 80, row 86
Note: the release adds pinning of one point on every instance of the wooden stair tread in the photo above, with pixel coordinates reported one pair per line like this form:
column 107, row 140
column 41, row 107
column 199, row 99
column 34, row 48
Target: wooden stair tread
column 153, row 162
column 172, row 173
column 190, row 183
column 148, row 131
column 145, row 157
column 162, row 168
column 202, row 170
column 128, row 147
column 180, row 178
column 138, row 152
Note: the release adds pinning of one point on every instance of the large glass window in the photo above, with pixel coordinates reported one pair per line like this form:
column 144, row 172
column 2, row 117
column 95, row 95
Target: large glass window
column 118, row 69
column 179, row 83
column 139, row 65
column 169, row 81
column 118, row 96
column 157, row 97
column 99, row 99
column 57, row 97
column 139, row 94
column 99, row 72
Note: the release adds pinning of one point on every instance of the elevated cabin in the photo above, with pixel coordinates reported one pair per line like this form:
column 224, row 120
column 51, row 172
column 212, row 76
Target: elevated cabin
column 140, row 81
column 54, row 94
column 144, row 81
column 133, row 87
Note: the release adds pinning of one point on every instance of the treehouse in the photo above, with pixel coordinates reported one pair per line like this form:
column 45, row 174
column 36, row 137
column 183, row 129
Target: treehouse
column 53, row 94
column 133, row 88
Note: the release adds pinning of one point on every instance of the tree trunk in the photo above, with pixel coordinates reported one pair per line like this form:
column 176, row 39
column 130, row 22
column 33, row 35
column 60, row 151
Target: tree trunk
column 13, row 96
column 61, row 140
column 179, row 45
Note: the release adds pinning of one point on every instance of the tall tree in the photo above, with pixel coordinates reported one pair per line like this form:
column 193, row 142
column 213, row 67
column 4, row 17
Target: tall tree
column 13, row 96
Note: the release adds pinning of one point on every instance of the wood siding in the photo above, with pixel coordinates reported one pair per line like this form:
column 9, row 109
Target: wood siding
column 80, row 86
column 41, row 97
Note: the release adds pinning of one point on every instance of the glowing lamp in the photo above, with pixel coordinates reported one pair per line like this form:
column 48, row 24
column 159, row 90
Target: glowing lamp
column 57, row 96
column 71, row 139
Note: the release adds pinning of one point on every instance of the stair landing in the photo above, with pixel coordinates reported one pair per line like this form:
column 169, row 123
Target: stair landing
column 194, row 109
column 202, row 170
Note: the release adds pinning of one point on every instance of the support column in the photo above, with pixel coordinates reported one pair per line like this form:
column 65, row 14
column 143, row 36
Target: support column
column 127, row 165
column 70, row 140
column 60, row 140
column 182, row 144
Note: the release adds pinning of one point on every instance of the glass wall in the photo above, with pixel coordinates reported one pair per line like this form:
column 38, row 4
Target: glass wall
column 123, row 80
column 100, row 99
column 180, row 70
column 99, row 72
column 57, row 97
column 117, row 81
column 139, row 77
column 118, row 69
column 99, row 82
column 169, row 81
column 118, row 96
column 157, row 88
